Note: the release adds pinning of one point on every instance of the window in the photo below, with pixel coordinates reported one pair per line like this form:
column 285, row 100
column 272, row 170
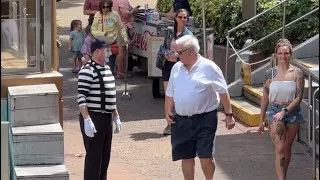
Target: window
column 22, row 32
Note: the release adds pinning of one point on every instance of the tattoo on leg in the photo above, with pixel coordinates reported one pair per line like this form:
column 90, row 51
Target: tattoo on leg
column 280, row 132
column 283, row 163
column 273, row 136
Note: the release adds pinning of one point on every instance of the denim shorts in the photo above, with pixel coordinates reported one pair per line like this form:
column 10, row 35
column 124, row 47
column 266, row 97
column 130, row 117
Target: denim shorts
column 194, row 136
column 292, row 117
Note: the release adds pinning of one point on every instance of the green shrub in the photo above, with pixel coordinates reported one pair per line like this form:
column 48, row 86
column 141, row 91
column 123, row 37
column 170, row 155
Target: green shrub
column 223, row 15
column 164, row 5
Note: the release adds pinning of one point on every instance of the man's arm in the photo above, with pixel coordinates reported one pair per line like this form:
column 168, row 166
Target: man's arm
column 126, row 11
column 169, row 103
column 115, row 113
column 226, row 102
column 86, row 8
column 84, row 84
column 219, row 85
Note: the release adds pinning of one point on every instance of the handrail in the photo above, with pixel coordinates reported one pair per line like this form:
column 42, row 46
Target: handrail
column 255, row 17
column 305, row 70
column 260, row 40
column 314, row 145
column 274, row 32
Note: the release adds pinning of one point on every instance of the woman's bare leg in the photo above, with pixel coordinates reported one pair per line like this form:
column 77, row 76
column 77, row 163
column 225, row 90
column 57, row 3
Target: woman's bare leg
column 278, row 135
column 121, row 60
column 291, row 132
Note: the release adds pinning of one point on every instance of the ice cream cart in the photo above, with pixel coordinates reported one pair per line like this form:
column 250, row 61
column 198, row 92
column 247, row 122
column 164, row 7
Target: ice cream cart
column 146, row 40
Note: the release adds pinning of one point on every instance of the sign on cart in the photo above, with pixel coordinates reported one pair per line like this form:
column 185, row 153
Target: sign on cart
column 139, row 35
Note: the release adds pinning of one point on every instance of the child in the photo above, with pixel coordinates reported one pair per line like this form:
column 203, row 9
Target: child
column 86, row 47
column 75, row 43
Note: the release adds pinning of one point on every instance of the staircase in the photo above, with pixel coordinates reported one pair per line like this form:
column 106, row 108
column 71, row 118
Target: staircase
column 246, row 107
column 246, row 93
column 37, row 136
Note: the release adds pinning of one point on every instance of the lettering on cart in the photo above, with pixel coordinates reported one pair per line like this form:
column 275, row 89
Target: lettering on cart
column 140, row 40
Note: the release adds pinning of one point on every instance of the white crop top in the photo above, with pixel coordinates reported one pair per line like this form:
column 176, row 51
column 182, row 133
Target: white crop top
column 282, row 91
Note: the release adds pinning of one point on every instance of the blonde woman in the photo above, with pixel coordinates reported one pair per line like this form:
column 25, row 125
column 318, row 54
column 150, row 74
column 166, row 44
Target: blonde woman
column 282, row 95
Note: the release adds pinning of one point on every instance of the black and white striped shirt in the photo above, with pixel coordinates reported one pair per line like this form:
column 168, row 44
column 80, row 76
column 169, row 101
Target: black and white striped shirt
column 89, row 90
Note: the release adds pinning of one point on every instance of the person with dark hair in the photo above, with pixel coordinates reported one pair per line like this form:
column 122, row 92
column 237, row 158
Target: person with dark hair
column 75, row 43
column 90, row 7
column 176, row 5
column 282, row 95
column 126, row 11
column 180, row 30
column 97, row 103
column 107, row 24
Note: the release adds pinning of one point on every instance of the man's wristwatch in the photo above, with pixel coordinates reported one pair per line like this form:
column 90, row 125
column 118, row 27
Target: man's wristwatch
column 228, row 114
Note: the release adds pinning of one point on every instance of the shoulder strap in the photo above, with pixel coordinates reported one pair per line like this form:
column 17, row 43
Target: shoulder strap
column 102, row 87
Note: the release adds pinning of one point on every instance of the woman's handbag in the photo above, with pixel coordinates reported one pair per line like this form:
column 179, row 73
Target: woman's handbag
column 161, row 59
column 114, row 49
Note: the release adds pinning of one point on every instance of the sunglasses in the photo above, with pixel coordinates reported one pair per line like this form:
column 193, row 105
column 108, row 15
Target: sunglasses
column 180, row 52
column 182, row 17
column 105, row 7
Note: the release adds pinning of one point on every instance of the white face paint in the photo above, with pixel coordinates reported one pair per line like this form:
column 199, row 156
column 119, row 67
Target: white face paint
column 107, row 53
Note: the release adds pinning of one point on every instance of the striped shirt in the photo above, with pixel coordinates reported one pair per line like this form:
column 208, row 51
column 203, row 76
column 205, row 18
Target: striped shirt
column 89, row 90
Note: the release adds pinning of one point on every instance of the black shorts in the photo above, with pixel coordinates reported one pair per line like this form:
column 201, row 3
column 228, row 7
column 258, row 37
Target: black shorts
column 166, row 70
column 194, row 136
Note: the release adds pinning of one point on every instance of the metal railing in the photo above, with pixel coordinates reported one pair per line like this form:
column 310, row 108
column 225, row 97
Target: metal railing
column 314, row 129
column 312, row 76
column 312, row 112
column 284, row 26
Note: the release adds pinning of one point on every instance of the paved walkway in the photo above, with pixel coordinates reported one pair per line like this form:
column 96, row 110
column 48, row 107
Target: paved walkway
column 140, row 152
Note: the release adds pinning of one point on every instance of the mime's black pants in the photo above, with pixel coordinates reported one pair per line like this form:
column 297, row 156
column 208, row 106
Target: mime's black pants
column 98, row 148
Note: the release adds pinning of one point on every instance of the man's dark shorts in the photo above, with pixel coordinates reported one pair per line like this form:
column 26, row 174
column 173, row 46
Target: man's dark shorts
column 194, row 136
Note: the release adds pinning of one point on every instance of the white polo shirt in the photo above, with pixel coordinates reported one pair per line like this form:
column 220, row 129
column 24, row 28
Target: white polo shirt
column 196, row 91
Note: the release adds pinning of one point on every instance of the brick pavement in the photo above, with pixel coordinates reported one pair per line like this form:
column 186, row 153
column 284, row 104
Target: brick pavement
column 140, row 152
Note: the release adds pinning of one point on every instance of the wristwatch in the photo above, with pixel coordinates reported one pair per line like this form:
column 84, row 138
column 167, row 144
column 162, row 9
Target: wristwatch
column 285, row 110
column 228, row 114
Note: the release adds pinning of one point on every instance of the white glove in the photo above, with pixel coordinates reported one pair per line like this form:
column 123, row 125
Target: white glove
column 118, row 124
column 89, row 128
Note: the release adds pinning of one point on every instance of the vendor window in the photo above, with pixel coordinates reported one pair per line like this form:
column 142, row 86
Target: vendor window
column 20, row 35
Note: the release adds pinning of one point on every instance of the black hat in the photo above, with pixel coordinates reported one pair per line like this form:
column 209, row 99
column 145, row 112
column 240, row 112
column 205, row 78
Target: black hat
column 97, row 44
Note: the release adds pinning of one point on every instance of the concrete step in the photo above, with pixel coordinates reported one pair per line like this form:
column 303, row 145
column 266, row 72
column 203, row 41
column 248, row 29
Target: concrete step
column 311, row 63
column 246, row 111
column 255, row 94
column 42, row 172
column 44, row 108
column 41, row 144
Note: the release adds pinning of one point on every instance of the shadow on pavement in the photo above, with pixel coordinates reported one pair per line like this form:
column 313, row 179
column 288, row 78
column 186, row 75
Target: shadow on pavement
column 146, row 135
column 66, row 4
column 250, row 156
